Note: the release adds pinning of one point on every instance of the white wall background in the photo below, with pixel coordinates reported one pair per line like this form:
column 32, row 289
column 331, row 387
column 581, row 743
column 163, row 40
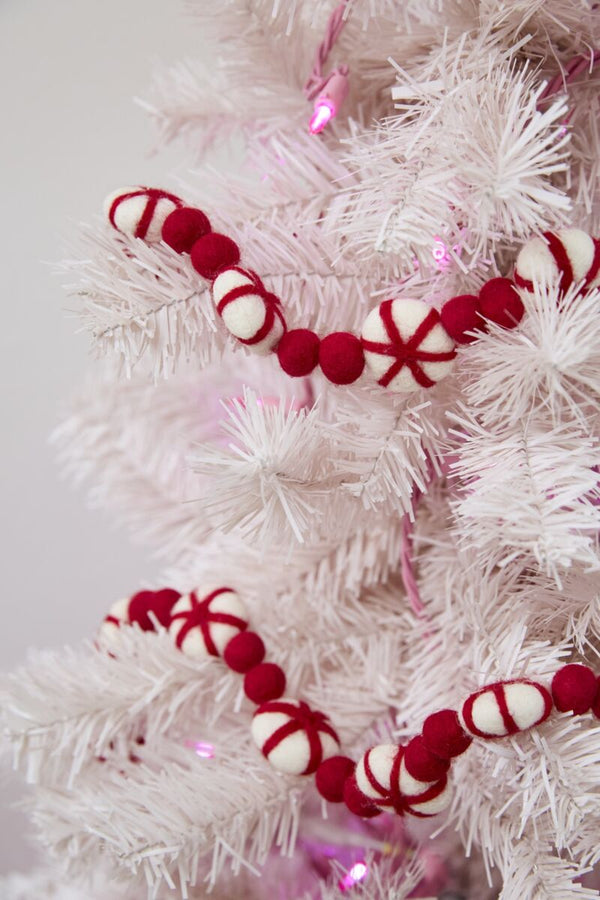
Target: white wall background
column 69, row 133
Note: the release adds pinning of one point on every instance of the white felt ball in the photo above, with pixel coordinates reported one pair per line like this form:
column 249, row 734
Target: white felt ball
column 294, row 738
column 505, row 708
column 409, row 785
column 203, row 622
column 118, row 615
column 406, row 346
column 140, row 211
column 434, row 800
column 374, row 771
column 248, row 312
column 567, row 257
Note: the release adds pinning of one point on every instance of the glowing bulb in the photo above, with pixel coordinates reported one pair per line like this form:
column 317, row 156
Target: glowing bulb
column 355, row 874
column 202, row 749
column 321, row 116
column 440, row 251
column 332, row 95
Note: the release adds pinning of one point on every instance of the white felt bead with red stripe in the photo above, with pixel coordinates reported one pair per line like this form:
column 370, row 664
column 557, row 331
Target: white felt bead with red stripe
column 423, row 798
column 381, row 776
column 140, row 211
column 250, row 313
column 203, row 622
column 505, row 708
column 292, row 736
column 374, row 772
column 409, row 785
column 430, row 801
column 406, row 346
column 118, row 615
column 569, row 256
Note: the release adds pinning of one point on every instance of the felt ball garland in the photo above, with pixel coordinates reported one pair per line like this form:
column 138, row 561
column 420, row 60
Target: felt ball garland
column 405, row 343
column 298, row 740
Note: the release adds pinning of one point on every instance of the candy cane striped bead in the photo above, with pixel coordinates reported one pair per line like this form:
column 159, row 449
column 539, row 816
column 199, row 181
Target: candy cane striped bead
column 506, row 707
column 140, row 211
column 250, row 313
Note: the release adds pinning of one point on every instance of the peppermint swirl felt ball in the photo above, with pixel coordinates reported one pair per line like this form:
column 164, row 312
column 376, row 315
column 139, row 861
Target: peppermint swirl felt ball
column 505, row 708
column 566, row 257
column 293, row 737
column 203, row 624
column 406, row 346
column 250, row 313
column 140, row 211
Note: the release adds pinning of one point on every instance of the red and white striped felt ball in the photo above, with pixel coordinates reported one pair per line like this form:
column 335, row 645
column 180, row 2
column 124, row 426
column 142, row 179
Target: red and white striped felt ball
column 381, row 776
column 203, row 623
column 505, row 707
column 293, row 737
column 569, row 256
column 250, row 313
column 406, row 346
column 140, row 211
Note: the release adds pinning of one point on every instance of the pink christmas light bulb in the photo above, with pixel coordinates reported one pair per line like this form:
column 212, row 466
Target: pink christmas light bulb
column 354, row 874
column 201, row 748
column 330, row 99
column 321, row 116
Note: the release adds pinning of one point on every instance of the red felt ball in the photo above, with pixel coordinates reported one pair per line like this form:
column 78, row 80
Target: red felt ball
column 331, row 777
column 356, row 801
column 213, row 252
column 421, row 763
column 182, row 228
column 499, row 301
column 443, row 734
column 160, row 603
column 574, row 688
column 460, row 315
column 596, row 704
column 264, row 682
column 244, row 651
column 341, row 357
column 298, row 352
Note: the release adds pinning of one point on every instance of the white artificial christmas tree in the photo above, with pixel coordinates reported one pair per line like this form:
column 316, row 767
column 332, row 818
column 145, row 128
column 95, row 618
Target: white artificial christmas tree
column 395, row 551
